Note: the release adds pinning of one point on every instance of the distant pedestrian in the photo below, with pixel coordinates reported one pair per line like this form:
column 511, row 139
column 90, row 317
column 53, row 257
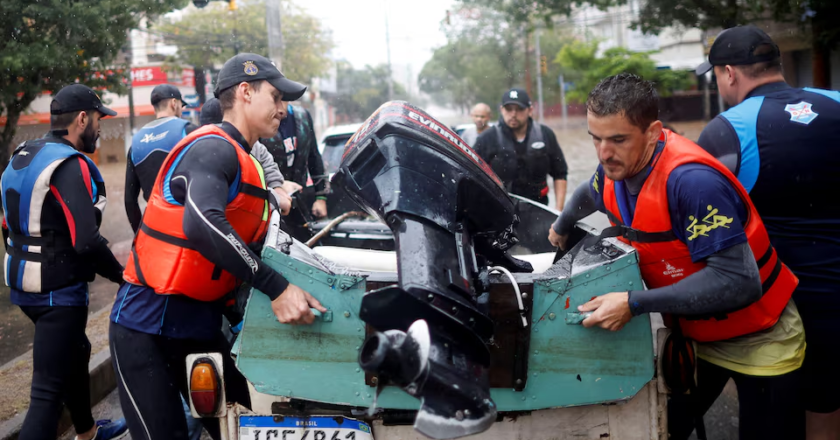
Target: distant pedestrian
column 150, row 146
column 522, row 151
column 480, row 115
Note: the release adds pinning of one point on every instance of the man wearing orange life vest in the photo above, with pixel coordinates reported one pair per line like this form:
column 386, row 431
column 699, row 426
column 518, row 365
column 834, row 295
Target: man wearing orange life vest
column 704, row 255
column 209, row 206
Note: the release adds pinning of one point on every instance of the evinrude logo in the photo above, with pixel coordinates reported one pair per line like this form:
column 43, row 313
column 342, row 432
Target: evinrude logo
column 445, row 133
column 154, row 138
column 672, row 271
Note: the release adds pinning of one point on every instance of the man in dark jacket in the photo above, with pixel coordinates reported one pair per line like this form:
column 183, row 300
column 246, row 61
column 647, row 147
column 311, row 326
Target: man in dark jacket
column 295, row 150
column 522, row 151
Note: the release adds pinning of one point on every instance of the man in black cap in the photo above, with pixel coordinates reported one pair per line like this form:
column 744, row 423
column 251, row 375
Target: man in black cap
column 53, row 198
column 195, row 245
column 522, row 151
column 150, row 145
column 780, row 142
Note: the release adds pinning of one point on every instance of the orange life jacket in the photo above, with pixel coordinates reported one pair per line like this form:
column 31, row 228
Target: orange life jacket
column 161, row 256
column 665, row 260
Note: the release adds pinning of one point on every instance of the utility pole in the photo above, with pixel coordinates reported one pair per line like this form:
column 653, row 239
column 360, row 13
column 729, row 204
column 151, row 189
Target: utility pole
column 562, row 82
column 388, row 48
column 539, row 75
column 130, row 84
column 527, row 64
column 273, row 21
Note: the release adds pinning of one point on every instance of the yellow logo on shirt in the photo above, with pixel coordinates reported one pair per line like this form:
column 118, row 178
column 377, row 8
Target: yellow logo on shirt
column 595, row 183
column 710, row 222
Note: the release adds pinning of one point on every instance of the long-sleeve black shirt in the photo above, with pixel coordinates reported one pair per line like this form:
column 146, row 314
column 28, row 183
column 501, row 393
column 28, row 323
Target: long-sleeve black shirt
column 202, row 182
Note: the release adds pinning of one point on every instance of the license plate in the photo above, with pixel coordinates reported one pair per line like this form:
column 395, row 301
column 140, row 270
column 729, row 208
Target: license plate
column 300, row 428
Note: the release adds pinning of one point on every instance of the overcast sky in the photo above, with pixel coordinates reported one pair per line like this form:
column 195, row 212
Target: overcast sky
column 358, row 28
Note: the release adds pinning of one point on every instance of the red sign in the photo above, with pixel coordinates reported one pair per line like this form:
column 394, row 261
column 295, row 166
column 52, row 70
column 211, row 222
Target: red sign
column 152, row 76
column 187, row 78
column 148, row 76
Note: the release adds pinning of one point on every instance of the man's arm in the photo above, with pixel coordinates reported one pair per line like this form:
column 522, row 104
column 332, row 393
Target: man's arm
column 558, row 169
column 560, row 193
column 721, row 141
column 273, row 176
column 729, row 281
column 585, row 200
column 314, row 163
column 132, row 192
column 70, row 185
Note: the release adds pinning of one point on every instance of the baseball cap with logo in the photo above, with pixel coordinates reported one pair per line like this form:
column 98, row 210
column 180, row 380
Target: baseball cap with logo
column 248, row 67
column 740, row 46
column 167, row 91
column 516, row 96
column 78, row 97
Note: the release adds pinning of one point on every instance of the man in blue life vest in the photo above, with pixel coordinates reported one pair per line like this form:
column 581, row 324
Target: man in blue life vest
column 53, row 198
column 150, row 145
column 705, row 258
column 782, row 144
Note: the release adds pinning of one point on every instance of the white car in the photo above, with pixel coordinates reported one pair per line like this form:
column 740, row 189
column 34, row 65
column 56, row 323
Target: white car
column 331, row 145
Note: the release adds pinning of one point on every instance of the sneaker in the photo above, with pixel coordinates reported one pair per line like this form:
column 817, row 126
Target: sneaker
column 110, row 430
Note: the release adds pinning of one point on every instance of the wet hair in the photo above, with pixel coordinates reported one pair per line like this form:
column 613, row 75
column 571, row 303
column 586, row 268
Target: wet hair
column 626, row 95
column 58, row 122
column 227, row 96
column 757, row 70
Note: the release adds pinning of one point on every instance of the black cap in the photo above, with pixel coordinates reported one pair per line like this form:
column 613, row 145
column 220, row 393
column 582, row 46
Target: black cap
column 211, row 112
column 167, row 91
column 516, row 96
column 737, row 47
column 78, row 97
column 247, row 67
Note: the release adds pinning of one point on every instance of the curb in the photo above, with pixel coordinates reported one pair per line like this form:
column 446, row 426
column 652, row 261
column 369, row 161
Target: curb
column 103, row 381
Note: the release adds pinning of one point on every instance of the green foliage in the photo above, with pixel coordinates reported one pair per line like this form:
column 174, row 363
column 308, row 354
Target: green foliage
column 525, row 11
column 482, row 59
column 362, row 91
column 581, row 66
column 48, row 44
column 212, row 35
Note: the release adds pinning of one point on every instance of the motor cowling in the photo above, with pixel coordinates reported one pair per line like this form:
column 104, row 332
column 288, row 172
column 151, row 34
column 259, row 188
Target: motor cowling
column 451, row 219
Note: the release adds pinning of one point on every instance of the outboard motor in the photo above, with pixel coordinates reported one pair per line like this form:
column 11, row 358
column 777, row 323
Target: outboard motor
column 451, row 219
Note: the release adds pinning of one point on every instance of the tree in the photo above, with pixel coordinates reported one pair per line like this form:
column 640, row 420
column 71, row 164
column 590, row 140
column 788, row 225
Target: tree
column 482, row 59
column 813, row 16
column 48, row 44
column 361, row 91
column 579, row 63
column 211, row 35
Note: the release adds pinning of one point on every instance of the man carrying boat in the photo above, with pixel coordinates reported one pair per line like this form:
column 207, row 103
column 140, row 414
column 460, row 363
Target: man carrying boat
column 207, row 209
column 704, row 255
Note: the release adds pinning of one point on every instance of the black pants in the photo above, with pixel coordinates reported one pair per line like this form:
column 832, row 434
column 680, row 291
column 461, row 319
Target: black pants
column 60, row 356
column 769, row 407
column 151, row 371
